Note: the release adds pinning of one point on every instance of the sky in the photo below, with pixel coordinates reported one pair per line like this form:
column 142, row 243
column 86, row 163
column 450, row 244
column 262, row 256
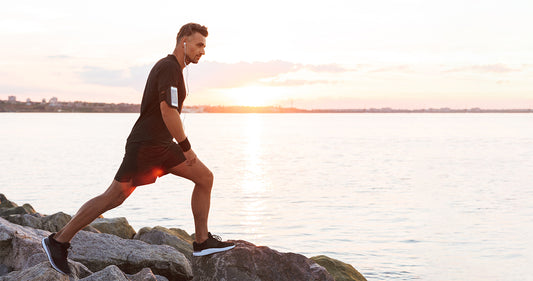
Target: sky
column 306, row 54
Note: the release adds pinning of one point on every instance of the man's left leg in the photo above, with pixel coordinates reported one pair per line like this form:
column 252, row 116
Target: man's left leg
column 200, row 203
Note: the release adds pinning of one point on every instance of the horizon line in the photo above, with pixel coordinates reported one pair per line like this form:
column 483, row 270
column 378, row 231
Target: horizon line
column 293, row 108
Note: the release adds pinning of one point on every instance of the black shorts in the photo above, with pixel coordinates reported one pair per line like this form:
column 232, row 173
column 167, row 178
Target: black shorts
column 142, row 163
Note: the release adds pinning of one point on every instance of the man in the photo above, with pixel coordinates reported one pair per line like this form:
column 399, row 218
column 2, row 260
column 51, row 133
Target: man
column 151, row 153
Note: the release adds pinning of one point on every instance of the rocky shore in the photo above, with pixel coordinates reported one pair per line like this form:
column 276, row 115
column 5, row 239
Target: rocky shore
column 110, row 249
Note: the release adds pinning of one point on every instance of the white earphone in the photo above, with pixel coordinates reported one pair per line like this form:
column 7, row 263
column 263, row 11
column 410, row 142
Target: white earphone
column 186, row 68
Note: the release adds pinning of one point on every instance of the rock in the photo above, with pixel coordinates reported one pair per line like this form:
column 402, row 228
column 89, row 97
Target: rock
column 116, row 226
column 249, row 262
column 4, row 203
column 52, row 223
column 55, row 222
column 99, row 250
column 90, row 228
column 21, row 249
column 18, row 243
column 4, row 269
column 109, row 273
column 339, row 270
column 166, row 257
column 42, row 272
column 24, row 209
column 174, row 237
column 144, row 275
column 79, row 270
column 160, row 278
column 26, row 220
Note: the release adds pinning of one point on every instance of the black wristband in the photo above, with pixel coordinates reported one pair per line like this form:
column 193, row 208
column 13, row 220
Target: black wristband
column 185, row 145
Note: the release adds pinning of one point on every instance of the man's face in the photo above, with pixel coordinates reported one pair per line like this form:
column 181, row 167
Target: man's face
column 195, row 48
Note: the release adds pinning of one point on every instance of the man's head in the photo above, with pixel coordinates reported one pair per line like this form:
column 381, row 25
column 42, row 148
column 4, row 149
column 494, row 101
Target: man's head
column 191, row 39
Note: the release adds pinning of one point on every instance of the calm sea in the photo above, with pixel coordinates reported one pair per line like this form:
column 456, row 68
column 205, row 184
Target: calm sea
column 398, row 196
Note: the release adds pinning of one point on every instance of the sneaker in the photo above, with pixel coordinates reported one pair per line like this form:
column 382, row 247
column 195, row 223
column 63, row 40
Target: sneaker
column 57, row 253
column 212, row 245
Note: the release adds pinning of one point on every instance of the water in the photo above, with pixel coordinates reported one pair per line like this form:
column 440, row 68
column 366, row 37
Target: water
column 398, row 196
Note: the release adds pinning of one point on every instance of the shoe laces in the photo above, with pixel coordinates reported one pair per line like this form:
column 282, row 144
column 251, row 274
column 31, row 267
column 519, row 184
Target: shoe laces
column 216, row 237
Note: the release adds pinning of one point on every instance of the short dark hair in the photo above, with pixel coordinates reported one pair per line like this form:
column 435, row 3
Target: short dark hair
column 189, row 29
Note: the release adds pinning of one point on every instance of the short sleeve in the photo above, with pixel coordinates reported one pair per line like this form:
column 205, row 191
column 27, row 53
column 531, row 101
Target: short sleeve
column 167, row 85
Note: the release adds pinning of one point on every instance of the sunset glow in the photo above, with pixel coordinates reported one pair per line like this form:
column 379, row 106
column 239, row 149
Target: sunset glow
column 254, row 96
column 339, row 54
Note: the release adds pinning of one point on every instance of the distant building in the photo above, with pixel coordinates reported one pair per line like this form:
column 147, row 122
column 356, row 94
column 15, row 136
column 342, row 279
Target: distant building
column 53, row 101
column 12, row 99
column 28, row 101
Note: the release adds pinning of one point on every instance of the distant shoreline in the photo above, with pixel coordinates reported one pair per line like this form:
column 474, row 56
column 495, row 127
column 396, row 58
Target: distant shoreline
column 88, row 107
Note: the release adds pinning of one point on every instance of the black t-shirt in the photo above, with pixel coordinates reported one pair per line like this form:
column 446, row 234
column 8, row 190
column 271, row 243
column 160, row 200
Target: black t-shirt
column 165, row 83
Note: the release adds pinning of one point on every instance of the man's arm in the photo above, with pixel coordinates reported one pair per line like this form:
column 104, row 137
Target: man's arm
column 172, row 120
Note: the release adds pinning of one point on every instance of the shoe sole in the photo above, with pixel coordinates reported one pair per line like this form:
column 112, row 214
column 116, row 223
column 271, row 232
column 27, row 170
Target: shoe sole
column 44, row 242
column 211, row 251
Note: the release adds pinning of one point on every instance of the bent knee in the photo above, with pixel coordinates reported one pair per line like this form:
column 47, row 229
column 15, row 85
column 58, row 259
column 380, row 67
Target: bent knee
column 206, row 179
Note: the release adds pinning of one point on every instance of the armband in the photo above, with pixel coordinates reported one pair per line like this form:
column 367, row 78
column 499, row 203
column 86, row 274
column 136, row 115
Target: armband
column 185, row 145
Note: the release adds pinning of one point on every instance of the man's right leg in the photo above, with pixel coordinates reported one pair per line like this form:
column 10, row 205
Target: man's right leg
column 56, row 245
column 111, row 198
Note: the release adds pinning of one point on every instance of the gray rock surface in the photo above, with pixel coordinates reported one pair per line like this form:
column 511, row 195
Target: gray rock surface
column 4, row 269
column 144, row 275
column 20, row 249
column 99, row 250
column 24, row 209
column 26, row 220
column 78, row 269
column 109, row 273
column 116, row 226
column 52, row 223
column 41, row 272
column 18, row 243
column 163, row 258
column 249, row 262
column 174, row 237
column 55, row 222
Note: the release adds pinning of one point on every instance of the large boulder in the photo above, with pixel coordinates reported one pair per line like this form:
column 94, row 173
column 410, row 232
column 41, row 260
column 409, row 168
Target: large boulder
column 145, row 275
column 55, row 222
column 24, row 209
column 114, row 273
column 174, row 237
column 116, row 226
column 109, row 273
column 4, row 203
column 21, row 249
column 41, row 272
column 99, row 250
column 32, row 221
column 18, row 243
column 339, row 270
column 249, row 262
column 52, row 223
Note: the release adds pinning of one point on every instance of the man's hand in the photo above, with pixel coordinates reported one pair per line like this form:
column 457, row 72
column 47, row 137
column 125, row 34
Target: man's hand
column 190, row 156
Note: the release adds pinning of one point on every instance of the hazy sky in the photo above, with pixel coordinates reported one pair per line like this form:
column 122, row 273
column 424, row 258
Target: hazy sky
column 311, row 54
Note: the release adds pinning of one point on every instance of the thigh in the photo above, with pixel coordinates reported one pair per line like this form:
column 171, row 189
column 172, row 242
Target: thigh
column 120, row 189
column 195, row 172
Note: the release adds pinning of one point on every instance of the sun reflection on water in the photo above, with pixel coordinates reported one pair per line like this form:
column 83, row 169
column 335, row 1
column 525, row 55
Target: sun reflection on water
column 254, row 180
column 254, row 174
